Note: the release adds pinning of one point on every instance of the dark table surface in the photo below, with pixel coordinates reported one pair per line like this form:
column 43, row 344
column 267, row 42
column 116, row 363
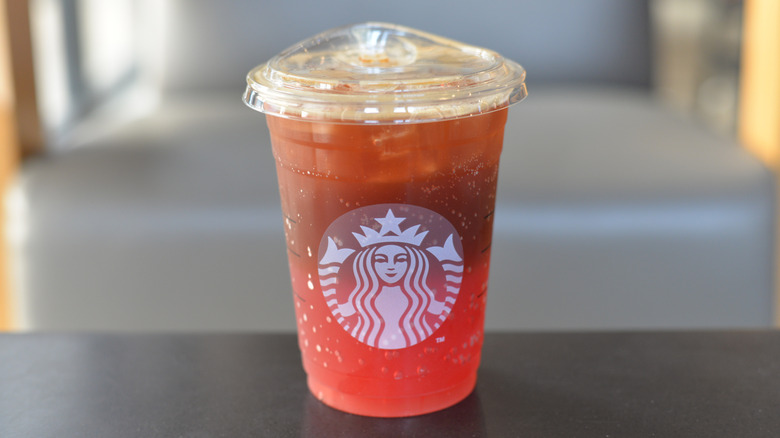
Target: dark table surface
column 656, row 384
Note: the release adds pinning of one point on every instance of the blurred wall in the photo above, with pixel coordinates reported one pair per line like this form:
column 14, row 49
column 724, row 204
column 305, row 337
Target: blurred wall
column 697, row 58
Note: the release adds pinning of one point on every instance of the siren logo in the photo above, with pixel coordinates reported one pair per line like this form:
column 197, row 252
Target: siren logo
column 390, row 273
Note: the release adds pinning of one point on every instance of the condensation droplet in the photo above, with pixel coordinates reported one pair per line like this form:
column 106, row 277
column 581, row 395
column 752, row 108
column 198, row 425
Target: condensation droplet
column 318, row 348
column 398, row 375
column 314, row 329
column 328, row 318
column 310, row 285
column 384, row 370
column 421, row 370
column 305, row 318
column 308, row 250
column 361, row 362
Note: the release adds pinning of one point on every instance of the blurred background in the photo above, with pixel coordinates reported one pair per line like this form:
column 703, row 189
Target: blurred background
column 637, row 186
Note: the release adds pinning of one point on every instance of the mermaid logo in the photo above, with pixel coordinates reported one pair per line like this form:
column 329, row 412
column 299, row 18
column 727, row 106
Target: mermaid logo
column 390, row 287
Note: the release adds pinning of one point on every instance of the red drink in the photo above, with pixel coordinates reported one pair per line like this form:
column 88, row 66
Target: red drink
column 449, row 167
column 387, row 143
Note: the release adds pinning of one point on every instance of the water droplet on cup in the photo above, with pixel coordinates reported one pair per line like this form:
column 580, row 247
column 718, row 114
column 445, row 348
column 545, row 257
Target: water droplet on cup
column 398, row 375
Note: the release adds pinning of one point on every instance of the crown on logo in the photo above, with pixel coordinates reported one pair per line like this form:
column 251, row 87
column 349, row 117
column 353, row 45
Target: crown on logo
column 390, row 232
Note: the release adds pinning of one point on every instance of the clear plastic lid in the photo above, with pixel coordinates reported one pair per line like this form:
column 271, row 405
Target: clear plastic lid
column 383, row 73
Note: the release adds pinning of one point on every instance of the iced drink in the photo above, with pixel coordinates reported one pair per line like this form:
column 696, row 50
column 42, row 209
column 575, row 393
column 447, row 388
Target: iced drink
column 387, row 144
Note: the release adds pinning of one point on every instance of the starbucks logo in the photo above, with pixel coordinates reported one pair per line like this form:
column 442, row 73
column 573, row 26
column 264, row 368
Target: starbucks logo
column 390, row 273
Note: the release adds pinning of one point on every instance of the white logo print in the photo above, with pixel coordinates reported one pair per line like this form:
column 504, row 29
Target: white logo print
column 390, row 287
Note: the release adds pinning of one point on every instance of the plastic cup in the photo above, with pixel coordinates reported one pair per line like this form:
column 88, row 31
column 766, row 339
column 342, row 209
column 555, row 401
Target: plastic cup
column 387, row 143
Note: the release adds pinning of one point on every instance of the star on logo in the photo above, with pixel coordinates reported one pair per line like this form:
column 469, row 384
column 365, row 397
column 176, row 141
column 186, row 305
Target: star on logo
column 390, row 223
